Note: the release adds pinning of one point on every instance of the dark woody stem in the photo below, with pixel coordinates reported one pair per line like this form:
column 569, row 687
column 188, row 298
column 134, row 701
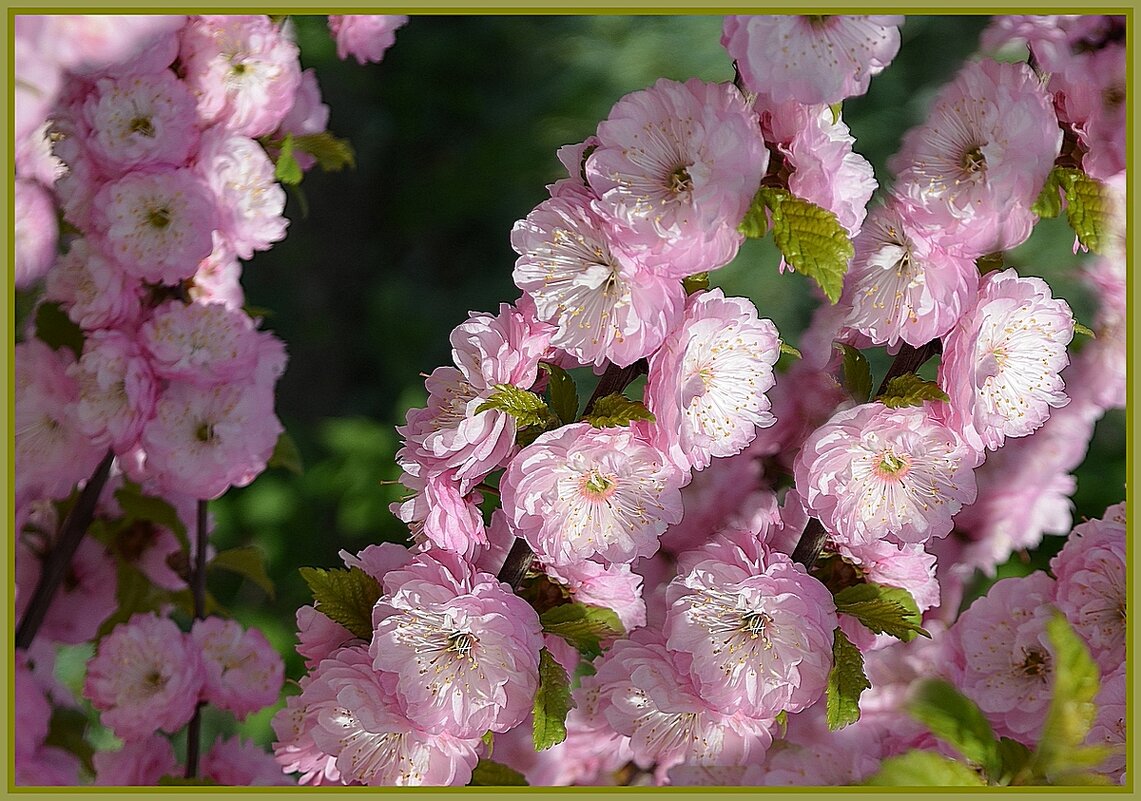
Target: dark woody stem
column 198, row 590
column 58, row 561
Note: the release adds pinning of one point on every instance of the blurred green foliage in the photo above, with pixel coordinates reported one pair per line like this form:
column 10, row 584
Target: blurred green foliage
column 455, row 135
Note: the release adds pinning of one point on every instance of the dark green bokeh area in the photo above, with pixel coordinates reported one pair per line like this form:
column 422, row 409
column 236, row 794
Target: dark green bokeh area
column 455, row 134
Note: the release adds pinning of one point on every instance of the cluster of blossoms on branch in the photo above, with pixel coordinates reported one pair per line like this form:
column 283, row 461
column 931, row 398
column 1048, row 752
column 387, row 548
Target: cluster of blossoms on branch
column 149, row 164
column 750, row 573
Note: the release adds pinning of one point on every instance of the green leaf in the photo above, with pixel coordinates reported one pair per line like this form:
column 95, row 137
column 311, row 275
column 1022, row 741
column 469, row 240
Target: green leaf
column 695, row 283
column 790, row 350
column 552, row 703
column 182, row 781
column 527, row 408
column 345, row 596
column 137, row 506
column 1086, row 332
column 756, row 222
column 910, row 390
column 1049, row 202
column 493, row 774
column 1013, row 758
column 286, row 455
column 332, row 154
column 488, row 740
column 563, row 393
column 583, row 626
column 67, row 730
column 287, row 170
column 248, row 561
column 883, row 609
column 1072, row 709
column 184, row 600
column 923, row 769
column 782, row 721
column 957, row 720
column 990, row 262
column 846, row 681
column 811, row 239
column 1087, row 207
column 134, row 593
column 55, row 329
column 857, row 373
column 617, row 410
column 836, row 109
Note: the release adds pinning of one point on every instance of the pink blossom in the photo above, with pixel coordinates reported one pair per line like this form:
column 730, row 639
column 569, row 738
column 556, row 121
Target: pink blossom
column 1090, row 95
column 90, row 42
column 308, row 115
column 872, row 472
column 138, row 121
column 607, row 305
column 500, row 349
column 378, row 560
column 294, row 749
column 32, row 711
column 1091, row 575
column 139, row 763
column 244, row 71
column 438, row 515
column 117, row 389
column 48, row 766
column 218, row 279
column 365, row 37
column 615, row 587
column 711, row 499
column 40, row 75
column 904, row 565
column 1001, row 362
column 708, row 381
column 202, row 343
column 760, row 637
column 36, row 233
column 52, row 452
column 579, row 492
column 1001, row 658
column 464, row 650
column 977, row 165
column 157, row 225
column 677, row 165
column 823, row 59
column 318, row 636
column 1109, row 729
column 251, row 202
column 240, row 763
column 243, row 671
column 91, row 288
column 145, row 676
column 902, row 283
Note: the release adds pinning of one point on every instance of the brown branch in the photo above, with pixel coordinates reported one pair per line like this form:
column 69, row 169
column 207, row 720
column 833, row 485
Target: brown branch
column 616, row 379
column 198, row 590
column 58, row 560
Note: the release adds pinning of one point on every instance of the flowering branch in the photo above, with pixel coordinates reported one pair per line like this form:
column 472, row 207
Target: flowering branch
column 59, row 560
column 198, row 589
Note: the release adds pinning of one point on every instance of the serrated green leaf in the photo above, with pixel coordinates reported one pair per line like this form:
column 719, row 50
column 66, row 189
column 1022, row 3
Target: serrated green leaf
column 286, row 455
column 488, row 773
column 617, row 410
column 563, row 393
column 345, row 596
column 883, row 609
column 846, row 680
column 527, row 408
column 756, row 222
column 56, row 330
column 695, row 283
column 1086, row 332
column 857, row 373
column 923, row 769
column 1072, row 709
column 1049, row 201
column 1087, row 207
column 910, row 390
column 66, row 730
column 811, row 239
column 287, row 170
column 247, row 561
column 582, row 625
column 958, row 721
column 790, row 350
column 332, row 154
column 552, row 703
column 182, row 781
column 137, row 506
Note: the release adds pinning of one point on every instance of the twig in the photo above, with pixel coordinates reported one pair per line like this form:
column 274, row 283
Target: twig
column 198, row 590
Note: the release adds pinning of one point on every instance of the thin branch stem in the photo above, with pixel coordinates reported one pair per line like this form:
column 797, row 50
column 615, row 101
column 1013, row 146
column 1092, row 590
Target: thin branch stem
column 198, row 591
column 58, row 560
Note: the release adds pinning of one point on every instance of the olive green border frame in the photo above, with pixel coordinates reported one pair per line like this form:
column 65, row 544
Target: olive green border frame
column 7, row 386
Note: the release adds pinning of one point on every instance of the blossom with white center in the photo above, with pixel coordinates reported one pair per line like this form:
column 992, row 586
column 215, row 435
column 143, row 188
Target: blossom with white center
column 677, row 165
column 606, row 304
column 157, row 226
column 760, row 634
column 707, row 382
column 872, row 473
column 902, row 284
column 463, row 648
column 1002, row 362
column 140, row 121
column 145, row 676
column 1000, row 657
column 811, row 58
column 581, row 492
column 977, row 165
column 117, row 389
column 1091, row 575
column 243, row 671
